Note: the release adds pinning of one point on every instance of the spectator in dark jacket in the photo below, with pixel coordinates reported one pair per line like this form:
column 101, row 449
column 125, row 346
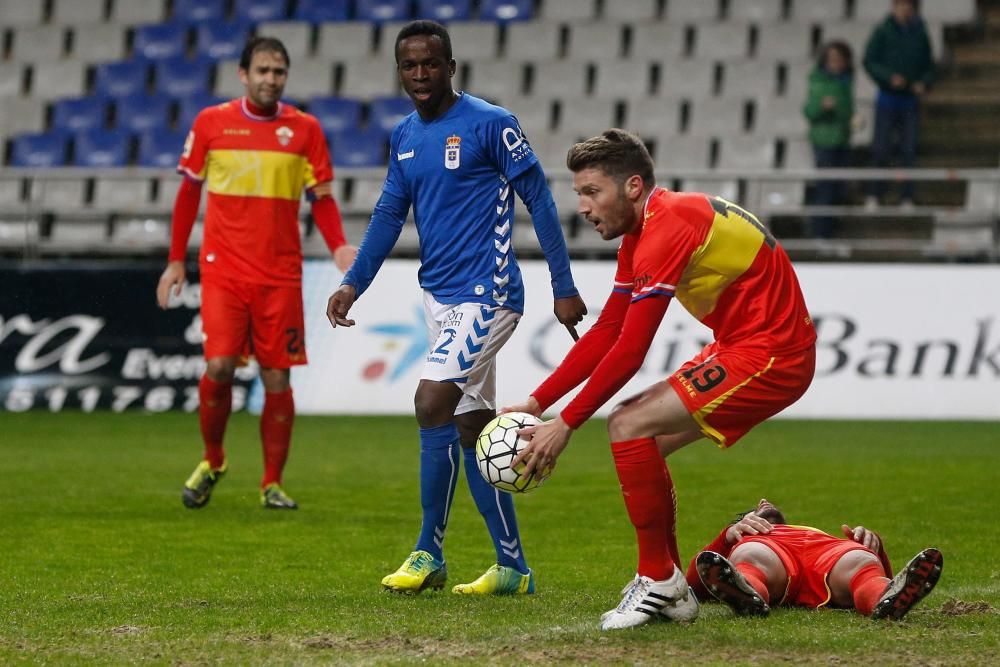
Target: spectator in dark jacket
column 829, row 110
column 898, row 58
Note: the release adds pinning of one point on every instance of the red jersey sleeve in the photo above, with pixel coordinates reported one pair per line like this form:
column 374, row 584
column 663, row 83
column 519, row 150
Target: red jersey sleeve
column 665, row 247
column 194, row 156
column 317, row 163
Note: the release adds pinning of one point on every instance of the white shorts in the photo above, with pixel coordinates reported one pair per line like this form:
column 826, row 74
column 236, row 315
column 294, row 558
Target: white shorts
column 465, row 339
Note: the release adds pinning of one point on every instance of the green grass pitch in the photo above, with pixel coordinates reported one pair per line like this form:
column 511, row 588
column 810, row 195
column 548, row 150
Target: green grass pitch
column 102, row 564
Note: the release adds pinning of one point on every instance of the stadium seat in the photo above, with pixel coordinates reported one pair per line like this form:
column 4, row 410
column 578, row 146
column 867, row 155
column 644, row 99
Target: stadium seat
column 258, row 11
column 496, row 80
column 750, row 152
column 80, row 113
column 717, row 116
column 682, row 152
column 472, row 40
column 560, row 10
column 532, row 40
column 59, row 79
column 121, row 195
column 822, row 11
column 38, row 44
column 100, row 42
column 780, row 196
column 780, row 116
column 180, row 77
column 798, row 154
column 380, row 11
column 161, row 148
column 139, row 113
column 137, row 12
column 658, row 41
column 632, row 10
column 653, row 117
column 336, row 113
column 359, row 148
column 559, row 78
column 121, row 78
column 692, row 11
column 100, row 148
column 17, row 13
column 623, row 79
column 188, row 108
column 366, row 79
column 199, row 11
column 311, row 78
column 140, row 234
column 385, row 113
column 18, row 234
column 750, row 78
column 725, row 187
column 365, row 191
column 20, row 114
column 322, row 11
column 506, row 10
column 785, row 41
column 43, row 149
column 597, row 41
column 722, row 41
column 756, row 11
column 444, row 11
column 295, row 35
column 953, row 11
column 227, row 80
column 77, row 12
column 585, row 116
column 220, row 41
column 350, row 40
column 160, row 41
column 11, row 80
column 78, row 236
column 691, row 78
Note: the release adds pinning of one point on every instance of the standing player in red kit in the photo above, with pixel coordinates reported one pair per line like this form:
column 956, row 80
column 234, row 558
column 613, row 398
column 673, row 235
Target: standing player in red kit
column 256, row 156
column 727, row 270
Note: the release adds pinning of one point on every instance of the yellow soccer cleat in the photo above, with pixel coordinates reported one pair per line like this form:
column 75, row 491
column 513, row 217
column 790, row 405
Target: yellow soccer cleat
column 420, row 570
column 499, row 580
column 198, row 487
column 273, row 497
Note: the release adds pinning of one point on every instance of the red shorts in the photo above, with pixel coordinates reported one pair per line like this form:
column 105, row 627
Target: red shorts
column 242, row 319
column 729, row 391
column 808, row 556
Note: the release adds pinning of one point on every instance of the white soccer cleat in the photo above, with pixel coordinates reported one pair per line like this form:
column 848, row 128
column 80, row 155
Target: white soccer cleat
column 645, row 599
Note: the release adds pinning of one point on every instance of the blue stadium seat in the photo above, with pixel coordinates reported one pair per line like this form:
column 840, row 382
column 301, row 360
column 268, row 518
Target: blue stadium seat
column 179, row 77
column 100, row 148
column 199, row 11
column 122, row 78
column 258, row 11
column 358, row 148
column 385, row 112
column 191, row 105
column 43, row 149
column 139, row 113
column 336, row 113
column 321, row 11
column 79, row 113
column 161, row 148
column 445, row 10
column 163, row 40
column 221, row 41
column 380, row 11
column 506, row 10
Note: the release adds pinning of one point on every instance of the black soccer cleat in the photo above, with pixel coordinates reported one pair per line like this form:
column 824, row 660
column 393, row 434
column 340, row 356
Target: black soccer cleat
column 910, row 585
column 198, row 487
column 727, row 585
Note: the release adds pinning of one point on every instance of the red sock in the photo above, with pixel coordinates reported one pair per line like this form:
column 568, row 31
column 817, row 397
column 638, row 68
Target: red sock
column 276, row 433
column 867, row 586
column 756, row 578
column 675, row 554
column 647, row 489
column 215, row 401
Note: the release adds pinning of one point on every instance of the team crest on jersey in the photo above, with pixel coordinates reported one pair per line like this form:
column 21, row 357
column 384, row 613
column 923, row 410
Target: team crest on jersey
column 452, row 152
column 284, row 135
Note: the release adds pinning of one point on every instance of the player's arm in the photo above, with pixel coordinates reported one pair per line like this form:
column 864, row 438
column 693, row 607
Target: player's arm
column 330, row 224
column 185, row 213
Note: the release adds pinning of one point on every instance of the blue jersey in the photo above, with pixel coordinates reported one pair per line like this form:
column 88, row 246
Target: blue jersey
column 457, row 172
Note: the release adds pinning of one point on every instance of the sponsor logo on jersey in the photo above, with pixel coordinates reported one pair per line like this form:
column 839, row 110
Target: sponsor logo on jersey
column 516, row 142
column 284, row 135
column 404, row 156
column 188, row 145
column 453, row 152
column 238, row 131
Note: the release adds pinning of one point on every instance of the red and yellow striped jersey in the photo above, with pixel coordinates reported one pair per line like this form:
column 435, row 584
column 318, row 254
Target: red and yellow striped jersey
column 255, row 169
column 722, row 264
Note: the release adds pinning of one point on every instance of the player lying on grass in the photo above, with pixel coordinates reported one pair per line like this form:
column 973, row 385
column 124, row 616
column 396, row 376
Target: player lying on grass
column 760, row 559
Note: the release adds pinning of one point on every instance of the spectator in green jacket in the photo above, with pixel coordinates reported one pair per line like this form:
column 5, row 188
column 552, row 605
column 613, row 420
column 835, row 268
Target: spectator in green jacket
column 898, row 58
column 830, row 109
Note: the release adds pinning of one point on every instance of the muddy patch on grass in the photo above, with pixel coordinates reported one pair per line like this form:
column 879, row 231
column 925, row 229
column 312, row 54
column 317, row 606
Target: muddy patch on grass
column 956, row 607
column 128, row 630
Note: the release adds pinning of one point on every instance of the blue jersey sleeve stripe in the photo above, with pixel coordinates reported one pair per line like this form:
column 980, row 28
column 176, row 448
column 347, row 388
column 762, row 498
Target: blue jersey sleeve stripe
column 652, row 293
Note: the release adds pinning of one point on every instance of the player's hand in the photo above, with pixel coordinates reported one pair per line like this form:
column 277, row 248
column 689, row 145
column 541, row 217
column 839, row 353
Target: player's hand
column 344, row 256
column 547, row 441
column 829, row 102
column 569, row 311
column 530, row 406
column 751, row 524
column 171, row 280
column 897, row 81
column 862, row 535
column 339, row 305
column 918, row 88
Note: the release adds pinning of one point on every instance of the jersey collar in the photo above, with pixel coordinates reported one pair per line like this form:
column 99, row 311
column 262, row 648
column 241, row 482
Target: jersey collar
column 245, row 106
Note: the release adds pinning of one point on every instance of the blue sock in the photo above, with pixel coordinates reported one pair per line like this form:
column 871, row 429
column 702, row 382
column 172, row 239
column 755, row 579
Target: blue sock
column 438, row 474
column 497, row 508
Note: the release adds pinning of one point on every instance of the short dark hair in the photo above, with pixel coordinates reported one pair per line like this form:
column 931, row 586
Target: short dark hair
column 618, row 153
column 255, row 44
column 845, row 52
column 430, row 28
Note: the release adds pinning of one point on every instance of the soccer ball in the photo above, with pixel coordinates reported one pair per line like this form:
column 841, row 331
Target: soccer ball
column 497, row 446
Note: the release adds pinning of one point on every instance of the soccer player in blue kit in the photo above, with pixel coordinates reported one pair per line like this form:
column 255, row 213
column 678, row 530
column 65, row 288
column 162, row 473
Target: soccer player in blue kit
column 459, row 161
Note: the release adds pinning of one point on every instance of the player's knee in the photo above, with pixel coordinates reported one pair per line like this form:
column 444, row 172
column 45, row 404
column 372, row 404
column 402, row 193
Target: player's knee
column 621, row 425
column 275, row 380
column 220, row 369
column 429, row 410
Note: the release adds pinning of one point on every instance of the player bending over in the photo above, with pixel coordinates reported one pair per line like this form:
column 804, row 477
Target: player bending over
column 760, row 559
column 727, row 270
